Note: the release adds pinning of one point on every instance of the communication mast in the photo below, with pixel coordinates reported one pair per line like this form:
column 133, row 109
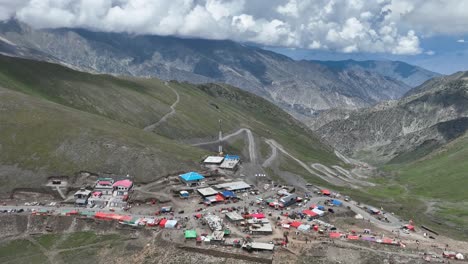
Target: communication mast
column 220, row 137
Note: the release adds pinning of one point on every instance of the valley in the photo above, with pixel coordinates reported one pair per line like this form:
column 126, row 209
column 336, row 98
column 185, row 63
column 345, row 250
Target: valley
column 140, row 149
column 58, row 124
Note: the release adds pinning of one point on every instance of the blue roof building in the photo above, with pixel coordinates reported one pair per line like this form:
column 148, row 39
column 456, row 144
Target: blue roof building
column 228, row 194
column 191, row 178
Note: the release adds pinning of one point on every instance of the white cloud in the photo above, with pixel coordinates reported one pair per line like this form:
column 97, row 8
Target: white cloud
column 430, row 52
column 461, row 41
column 391, row 26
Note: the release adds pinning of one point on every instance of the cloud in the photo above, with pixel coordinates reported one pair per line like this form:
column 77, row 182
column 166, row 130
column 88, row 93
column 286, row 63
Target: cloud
column 430, row 52
column 388, row 26
column 461, row 41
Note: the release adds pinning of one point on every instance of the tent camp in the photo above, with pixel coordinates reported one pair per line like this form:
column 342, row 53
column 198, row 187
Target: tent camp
column 190, row 234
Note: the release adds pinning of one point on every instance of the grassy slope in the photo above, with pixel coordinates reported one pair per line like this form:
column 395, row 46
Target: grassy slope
column 60, row 121
column 41, row 136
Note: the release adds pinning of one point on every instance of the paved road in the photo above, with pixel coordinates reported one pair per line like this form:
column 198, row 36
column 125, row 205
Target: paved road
column 166, row 116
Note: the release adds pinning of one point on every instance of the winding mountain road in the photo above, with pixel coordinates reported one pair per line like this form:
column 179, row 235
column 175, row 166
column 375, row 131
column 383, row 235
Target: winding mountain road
column 166, row 116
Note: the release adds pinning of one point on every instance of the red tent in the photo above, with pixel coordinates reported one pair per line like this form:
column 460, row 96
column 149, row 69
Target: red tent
column 309, row 213
column 258, row 216
column 295, row 224
column 316, row 227
column 334, row 235
column 325, row 192
column 312, row 206
column 353, row 237
column 410, row 227
column 162, row 223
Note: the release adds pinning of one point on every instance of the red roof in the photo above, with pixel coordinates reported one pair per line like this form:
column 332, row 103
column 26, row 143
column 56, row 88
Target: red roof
column 334, row 235
column 105, row 183
column 100, row 215
column 123, row 183
column 162, row 223
column 258, row 216
column 410, row 227
column 126, row 218
column 295, row 224
column 353, row 237
column 309, row 213
column 325, row 191
column 219, row 197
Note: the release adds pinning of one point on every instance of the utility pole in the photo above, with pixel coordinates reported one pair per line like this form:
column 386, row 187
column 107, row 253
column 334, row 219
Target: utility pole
column 220, row 137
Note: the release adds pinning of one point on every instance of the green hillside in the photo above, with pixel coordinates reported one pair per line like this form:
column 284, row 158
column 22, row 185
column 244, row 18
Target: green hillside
column 39, row 138
column 431, row 190
column 58, row 121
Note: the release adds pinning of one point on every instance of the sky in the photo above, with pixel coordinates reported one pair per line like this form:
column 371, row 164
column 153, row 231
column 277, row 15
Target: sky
column 430, row 33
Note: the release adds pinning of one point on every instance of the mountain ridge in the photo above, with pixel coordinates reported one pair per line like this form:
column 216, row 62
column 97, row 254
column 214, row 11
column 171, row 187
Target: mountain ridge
column 300, row 87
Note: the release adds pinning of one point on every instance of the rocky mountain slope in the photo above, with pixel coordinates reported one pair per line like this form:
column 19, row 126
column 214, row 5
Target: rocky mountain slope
column 409, row 74
column 57, row 121
column 301, row 87
column 405, row 130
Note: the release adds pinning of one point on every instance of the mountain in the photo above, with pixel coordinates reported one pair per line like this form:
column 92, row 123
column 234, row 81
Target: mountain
column 300, row 87
column 427, row 118
column 58, row 121
column 409, row 74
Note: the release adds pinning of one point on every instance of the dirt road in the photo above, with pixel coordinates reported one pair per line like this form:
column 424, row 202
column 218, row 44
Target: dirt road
column 166, row 116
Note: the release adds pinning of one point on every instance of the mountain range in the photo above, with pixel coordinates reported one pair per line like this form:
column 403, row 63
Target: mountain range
column 425, row 119
column 300, row 87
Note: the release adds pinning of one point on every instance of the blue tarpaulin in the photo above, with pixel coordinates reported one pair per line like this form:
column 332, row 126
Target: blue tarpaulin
column 228, row 194
column 232, row 157
column 191, row 176
column 337, row 202
column 320, row 207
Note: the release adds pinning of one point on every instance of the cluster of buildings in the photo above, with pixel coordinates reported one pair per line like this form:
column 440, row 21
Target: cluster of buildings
column 106, row 193
column 212, row 194
column 227, row 162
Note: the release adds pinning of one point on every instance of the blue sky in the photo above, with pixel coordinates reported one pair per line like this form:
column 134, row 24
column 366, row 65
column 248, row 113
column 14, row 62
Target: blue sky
column 444, row 54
